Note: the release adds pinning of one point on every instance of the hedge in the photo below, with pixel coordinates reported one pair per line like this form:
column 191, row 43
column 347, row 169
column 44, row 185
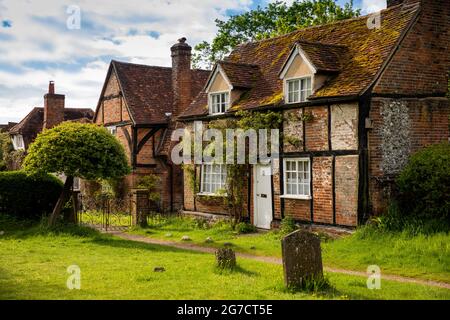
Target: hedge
column 424, row 184
column 28, row 196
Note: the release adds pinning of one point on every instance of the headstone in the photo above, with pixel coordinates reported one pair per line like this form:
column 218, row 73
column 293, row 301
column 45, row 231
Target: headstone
column 159, row 269
column 225, row 258
column 302, row 257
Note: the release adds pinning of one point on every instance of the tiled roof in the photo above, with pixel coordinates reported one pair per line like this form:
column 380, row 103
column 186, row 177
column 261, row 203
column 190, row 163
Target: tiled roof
column 366, row 52
column 32, row 124
column 241, row 75
column 148, row 90
column 324, row 57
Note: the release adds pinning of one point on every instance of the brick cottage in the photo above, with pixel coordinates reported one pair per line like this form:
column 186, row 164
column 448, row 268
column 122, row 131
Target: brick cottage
column 358, row 98
column 53, row 113
column 139, row 105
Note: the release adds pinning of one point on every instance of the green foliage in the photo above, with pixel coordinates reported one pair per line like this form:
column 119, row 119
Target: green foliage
column 276, row 19
column 236, row 173
column 28, row 196
column 81, row 150
column 244, row 227
column 259, row 120
column 292, row 140
column 287, row 225
column 313, row 284
column 10, row 159
column 394, row 221
column 424, row 184
column 5, row 148
column 150, row 183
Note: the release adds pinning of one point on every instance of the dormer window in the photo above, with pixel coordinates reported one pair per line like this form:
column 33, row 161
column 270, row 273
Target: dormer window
column 219, row 102
column 298, row 90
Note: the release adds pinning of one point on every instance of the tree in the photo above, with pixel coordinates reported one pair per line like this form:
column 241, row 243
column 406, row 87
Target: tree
column 261, row 23
column 76, row 150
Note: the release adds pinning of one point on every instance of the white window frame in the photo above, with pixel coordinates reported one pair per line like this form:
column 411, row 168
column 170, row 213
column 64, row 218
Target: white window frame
column 306, row 96
column 210, row 101
column 304, row 183
column 209, row 185
column 17, row 141
column 112, row 130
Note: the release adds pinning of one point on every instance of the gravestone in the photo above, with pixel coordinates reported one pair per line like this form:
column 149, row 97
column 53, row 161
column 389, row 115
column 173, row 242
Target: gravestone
column 302, row 258
column 225, row 258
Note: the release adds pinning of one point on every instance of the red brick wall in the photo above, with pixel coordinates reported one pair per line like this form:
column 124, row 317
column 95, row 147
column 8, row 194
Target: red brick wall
column 346, row 190
column 317, row 129
column 422, row 63
column 322, row 189
column 297, row 209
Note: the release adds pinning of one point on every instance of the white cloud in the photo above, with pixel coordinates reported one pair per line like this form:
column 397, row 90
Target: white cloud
column 369, row 6
column 44, row 49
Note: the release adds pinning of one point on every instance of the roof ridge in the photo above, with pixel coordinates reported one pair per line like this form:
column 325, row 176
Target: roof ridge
column 319, row 26
column 139, row 64
column 238, row 63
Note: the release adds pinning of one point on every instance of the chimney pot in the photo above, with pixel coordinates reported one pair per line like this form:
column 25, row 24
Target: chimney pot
column 51, row 87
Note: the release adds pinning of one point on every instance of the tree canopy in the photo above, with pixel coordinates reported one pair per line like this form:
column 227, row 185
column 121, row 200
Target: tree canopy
column 80, row 150
column 76, row 150
column 275, row 19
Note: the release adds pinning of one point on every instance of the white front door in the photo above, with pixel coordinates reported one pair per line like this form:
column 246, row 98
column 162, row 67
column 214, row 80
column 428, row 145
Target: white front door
column 262, row 196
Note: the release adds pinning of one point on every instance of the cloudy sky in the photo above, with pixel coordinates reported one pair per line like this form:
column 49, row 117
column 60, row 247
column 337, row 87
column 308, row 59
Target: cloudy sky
column 36, row 44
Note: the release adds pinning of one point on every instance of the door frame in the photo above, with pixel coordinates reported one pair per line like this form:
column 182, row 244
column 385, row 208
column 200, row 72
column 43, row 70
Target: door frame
column 255, row 198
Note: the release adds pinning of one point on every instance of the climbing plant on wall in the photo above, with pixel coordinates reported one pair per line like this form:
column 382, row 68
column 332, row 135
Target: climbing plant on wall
column 237, row 174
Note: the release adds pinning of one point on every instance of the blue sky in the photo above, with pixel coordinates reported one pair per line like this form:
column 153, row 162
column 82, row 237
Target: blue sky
column 36, row 44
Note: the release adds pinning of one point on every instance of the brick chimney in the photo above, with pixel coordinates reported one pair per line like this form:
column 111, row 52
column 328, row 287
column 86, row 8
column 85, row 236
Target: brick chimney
column 181, row 76
column 53, row 107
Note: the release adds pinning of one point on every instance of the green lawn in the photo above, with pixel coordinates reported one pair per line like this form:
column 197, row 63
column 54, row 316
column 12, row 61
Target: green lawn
column 425, row 257
column 34, row 263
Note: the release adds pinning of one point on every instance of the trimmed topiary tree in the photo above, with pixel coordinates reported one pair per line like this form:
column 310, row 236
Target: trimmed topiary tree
column 424, row 184
column 76, row 150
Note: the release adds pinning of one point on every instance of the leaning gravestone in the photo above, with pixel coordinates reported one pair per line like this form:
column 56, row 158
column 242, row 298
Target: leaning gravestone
column 302, row 258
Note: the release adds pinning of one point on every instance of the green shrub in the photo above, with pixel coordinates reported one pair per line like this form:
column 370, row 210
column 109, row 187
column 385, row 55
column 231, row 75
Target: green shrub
column 28, row 196
column 244, row 227
column 424, row 184
column 287, row 225
column 395, row 221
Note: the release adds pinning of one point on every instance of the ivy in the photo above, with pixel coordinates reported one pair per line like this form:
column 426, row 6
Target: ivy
column 237, row 174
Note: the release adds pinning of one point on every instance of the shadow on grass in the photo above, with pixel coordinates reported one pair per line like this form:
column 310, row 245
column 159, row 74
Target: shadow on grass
column 11, row 289
column 236, row 270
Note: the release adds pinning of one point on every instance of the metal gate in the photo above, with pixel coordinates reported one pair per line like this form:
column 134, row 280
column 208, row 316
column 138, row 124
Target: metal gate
column 107, row 214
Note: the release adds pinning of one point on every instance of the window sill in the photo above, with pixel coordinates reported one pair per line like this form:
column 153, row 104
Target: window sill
column 206, row 194
column 288, row 196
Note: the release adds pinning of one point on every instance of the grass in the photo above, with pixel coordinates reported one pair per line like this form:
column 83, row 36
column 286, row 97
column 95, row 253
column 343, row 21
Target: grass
column 35, row 260
column 398, row 253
